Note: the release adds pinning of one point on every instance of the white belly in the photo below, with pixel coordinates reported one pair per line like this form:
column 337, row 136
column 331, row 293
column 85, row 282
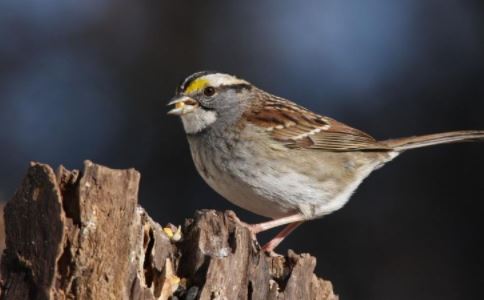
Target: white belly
column 263, row 187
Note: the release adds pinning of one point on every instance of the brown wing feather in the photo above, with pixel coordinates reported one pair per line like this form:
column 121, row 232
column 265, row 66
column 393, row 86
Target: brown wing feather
column 297, row 127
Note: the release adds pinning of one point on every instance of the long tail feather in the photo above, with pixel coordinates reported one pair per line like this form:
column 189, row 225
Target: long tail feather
column 413, row 142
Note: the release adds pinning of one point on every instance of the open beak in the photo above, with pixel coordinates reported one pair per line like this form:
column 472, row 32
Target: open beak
column 183, row 105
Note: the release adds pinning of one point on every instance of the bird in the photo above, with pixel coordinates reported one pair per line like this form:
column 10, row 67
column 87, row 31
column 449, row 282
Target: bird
column 277, row 159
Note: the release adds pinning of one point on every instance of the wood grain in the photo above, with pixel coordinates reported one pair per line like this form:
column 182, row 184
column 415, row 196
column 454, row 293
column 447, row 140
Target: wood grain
column 82, row 235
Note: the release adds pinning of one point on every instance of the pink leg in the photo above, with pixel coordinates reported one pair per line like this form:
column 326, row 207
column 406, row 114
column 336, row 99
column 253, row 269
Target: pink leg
column 256, row 228
column 272, row 244
column 293, row 221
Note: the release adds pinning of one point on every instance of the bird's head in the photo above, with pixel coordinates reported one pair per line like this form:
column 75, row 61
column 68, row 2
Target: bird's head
column 210, row 99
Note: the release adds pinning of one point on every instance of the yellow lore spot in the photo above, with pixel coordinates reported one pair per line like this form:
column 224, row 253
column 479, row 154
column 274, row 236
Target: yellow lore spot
column 196, row 85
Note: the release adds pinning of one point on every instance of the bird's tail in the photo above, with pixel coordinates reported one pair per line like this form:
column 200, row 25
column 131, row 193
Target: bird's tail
column 413, row 142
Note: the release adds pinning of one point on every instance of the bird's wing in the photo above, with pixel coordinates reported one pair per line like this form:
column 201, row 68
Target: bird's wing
column 297, row 127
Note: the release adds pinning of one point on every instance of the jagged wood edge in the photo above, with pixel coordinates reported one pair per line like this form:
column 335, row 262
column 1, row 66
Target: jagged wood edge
column 82, row 236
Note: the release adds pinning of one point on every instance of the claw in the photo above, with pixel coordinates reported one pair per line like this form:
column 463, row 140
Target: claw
column 253, row 232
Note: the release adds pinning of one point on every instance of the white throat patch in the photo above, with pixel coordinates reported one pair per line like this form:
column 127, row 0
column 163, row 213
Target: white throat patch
column 198, row 120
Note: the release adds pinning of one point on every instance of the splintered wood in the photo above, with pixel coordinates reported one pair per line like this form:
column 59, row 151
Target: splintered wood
column 81, row 235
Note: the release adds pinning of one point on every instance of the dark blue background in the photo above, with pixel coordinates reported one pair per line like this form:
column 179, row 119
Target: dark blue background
column 90, row 79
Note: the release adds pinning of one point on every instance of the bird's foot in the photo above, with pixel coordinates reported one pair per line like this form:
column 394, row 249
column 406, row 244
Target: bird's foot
column 252, row 229
column 270, row 246
column 268, row 249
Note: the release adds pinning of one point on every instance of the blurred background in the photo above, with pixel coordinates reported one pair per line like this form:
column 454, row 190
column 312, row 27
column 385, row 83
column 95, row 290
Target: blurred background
column 90, row 80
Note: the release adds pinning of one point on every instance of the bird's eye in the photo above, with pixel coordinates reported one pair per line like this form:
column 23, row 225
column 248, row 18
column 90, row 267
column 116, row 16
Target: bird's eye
column 209, row 91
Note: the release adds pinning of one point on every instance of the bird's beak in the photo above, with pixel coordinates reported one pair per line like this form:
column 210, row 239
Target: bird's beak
column 183, row 105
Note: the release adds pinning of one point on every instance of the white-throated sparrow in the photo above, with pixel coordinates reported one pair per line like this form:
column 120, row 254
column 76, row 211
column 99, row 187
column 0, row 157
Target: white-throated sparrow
column 275, row 158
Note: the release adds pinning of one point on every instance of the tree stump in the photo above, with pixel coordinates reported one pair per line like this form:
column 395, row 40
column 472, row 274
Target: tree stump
column 81, row 235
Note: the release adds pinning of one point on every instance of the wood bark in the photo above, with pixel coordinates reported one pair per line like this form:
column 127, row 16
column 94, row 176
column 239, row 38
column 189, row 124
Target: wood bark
column 82, row 235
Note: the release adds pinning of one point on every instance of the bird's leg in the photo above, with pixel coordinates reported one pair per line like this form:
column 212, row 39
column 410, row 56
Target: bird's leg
column 256, row 228
column 272, row 244
column 293, row 221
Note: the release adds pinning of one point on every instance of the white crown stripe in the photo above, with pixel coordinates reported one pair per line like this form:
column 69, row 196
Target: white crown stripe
column 220, row 79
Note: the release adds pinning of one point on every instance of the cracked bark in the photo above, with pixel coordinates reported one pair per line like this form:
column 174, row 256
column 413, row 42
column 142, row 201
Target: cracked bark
column 81, row 235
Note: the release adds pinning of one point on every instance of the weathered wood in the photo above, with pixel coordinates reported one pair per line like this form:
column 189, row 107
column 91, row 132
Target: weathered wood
column 82, row 236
